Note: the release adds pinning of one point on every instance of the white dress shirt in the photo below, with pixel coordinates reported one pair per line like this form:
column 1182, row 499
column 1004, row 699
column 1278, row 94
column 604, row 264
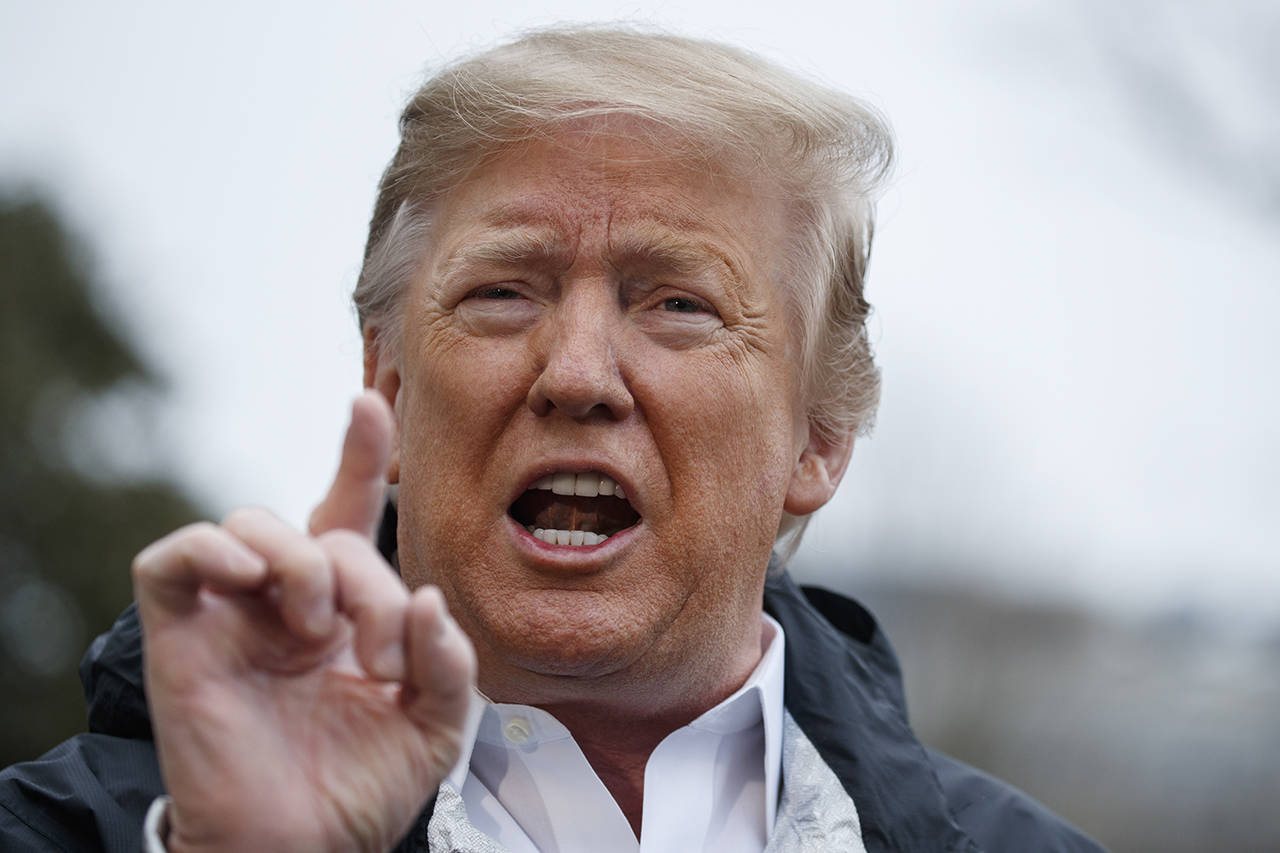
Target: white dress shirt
column 709, row 786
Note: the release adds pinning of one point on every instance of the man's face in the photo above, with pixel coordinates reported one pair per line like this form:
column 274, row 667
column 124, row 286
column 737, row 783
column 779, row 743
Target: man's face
column 593, row 311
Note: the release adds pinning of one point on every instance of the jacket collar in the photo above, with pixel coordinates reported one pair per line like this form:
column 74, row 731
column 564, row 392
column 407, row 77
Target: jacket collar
column 844, row 689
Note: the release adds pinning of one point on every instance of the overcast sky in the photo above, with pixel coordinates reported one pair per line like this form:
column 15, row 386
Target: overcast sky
column 1075, row 274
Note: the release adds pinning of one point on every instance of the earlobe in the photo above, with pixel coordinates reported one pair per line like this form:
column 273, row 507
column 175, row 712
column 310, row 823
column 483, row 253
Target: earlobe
column 817, row 472
column 382, row 374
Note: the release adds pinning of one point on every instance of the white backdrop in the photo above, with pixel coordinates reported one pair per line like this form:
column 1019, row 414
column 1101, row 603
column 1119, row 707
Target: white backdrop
column 1074, row 277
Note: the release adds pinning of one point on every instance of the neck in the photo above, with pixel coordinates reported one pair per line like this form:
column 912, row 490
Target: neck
column 618, row 747
column 618, row 740
column 619, row 719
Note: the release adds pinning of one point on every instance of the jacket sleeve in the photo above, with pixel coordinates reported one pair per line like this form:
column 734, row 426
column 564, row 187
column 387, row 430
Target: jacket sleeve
column 90, row 793
column 1001, row 818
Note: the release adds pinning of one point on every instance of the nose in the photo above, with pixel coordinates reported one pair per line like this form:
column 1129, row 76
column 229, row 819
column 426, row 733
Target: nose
column 580, row 375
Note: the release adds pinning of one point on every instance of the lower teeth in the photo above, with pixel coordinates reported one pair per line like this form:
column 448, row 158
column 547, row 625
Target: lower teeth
column 567, row 537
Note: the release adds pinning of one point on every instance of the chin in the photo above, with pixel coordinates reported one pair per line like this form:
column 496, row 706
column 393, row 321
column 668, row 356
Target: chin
column 559, row 634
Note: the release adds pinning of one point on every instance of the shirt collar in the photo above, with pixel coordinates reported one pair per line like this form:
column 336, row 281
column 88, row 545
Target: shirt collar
column 758, row 700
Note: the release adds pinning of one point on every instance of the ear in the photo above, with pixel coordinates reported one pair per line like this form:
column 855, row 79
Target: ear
column 817, row 472
column 382, row 374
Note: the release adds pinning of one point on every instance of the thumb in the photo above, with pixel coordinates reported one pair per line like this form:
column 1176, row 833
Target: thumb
column 355, row 500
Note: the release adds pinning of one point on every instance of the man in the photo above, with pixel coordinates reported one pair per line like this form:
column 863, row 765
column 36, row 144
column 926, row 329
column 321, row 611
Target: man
column 615, row 349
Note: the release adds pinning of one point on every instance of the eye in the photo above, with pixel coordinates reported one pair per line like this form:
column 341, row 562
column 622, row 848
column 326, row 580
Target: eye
column 676, row 319
column 682, row 305
column 502, row 308
column 495, row 291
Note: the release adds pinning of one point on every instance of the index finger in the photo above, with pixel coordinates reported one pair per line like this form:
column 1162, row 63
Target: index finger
column 355, row 500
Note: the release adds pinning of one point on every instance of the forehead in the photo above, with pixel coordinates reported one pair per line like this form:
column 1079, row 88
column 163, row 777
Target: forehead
column 578, row 188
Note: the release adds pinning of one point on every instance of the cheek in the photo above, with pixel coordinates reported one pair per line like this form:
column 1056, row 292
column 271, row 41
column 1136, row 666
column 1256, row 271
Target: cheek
column 724, row 426
column 459, row 391
column 457, row 401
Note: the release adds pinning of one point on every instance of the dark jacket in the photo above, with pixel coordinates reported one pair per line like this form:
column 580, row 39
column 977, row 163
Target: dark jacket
column 842, row 687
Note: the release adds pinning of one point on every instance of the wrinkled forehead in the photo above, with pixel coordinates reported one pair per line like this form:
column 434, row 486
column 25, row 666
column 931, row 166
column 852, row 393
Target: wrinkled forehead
column 611, row 191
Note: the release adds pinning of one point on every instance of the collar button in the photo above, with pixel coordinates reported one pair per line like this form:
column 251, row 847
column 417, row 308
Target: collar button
column 517, row 730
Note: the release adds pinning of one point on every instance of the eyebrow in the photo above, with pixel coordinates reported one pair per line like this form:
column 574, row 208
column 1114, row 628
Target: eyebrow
column 663, row 252
column 518, row 247
column 522, row 234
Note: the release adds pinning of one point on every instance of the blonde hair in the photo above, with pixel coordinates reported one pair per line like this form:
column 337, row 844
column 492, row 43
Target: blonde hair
column 729, row 108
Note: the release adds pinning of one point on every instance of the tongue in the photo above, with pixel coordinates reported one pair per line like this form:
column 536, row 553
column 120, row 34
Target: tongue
column 548, row 510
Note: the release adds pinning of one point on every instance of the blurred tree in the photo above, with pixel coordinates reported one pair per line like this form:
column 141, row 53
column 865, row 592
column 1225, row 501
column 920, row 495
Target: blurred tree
column 69, row 526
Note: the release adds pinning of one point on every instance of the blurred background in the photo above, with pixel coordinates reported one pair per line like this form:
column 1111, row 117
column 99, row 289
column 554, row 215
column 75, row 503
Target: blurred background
column 1068, row 517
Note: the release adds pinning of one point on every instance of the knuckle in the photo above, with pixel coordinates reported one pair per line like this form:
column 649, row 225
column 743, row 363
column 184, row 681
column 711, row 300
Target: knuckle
column 244, row 516
column 160, row 557
column 341, row 538
column 427, row 611
column 194, row 540
column 143, row 565
column 202, row 534
column 350, row 548
column 429, row 601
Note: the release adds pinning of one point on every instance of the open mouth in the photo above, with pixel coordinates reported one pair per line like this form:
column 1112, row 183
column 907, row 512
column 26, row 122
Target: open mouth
column 574, row 509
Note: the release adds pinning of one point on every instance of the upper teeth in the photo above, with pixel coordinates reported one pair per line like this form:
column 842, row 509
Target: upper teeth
column 588, row 485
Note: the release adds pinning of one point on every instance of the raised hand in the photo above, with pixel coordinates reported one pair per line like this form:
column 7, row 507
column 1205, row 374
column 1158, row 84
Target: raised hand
column 301, row 697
